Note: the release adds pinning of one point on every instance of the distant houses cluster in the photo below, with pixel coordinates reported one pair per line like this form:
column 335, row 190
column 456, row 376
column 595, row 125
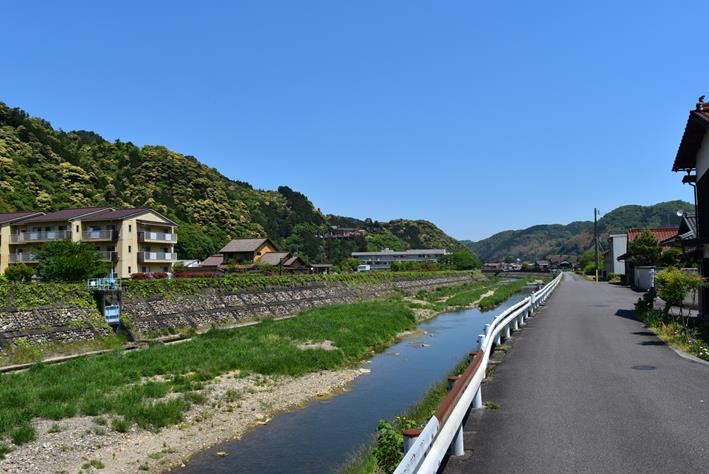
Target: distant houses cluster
column 551, row 263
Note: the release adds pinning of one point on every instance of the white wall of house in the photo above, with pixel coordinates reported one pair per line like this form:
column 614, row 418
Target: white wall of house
column 703, row 157
column 617, row 246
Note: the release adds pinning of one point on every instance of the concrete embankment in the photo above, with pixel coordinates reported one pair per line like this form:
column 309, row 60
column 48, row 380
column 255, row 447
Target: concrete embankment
column 61, row 322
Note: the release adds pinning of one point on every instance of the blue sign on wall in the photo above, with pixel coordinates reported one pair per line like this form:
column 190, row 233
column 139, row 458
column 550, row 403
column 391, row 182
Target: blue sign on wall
column 112, row 314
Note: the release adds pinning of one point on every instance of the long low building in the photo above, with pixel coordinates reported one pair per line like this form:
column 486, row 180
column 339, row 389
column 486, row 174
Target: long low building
column 382, row 260
column 132, row 240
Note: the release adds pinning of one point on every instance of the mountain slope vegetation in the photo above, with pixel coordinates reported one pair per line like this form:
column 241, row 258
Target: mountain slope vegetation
column 46, row 169
column 539, row 241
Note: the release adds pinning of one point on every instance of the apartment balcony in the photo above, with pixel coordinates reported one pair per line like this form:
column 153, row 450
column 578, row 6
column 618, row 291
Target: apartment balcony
column 40, row 236
column 98, row 235
column 157, row 257
column 23, row 258
column 109, row 256
column 162, row 237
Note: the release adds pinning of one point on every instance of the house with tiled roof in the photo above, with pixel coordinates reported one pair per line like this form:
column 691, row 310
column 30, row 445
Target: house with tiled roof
column 639, row 276
column 692, row 159
column 131, row 240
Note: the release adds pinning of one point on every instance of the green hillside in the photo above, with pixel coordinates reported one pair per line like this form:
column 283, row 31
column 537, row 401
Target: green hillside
column 46, row 169
column 542, row 240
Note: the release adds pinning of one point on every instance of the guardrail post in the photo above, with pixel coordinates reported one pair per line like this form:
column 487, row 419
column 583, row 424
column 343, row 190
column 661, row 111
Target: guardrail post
column 457, row 446
column 507, row 331
column 410, row 436
column 515, row 323
column 498, row 339
column 478, row 399
column 481, row 340
column 451, row 381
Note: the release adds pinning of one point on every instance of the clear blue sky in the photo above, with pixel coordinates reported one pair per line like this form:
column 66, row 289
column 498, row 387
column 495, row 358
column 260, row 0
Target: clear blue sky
column 479, row 116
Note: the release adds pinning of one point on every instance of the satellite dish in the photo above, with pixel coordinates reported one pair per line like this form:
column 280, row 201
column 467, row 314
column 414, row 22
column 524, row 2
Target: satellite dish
column 680, row 212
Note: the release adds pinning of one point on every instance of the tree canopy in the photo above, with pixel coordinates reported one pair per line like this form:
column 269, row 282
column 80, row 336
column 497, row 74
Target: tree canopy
column 70, row 261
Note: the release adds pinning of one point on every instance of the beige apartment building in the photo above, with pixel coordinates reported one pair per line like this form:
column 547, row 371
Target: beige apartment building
column 132, row 240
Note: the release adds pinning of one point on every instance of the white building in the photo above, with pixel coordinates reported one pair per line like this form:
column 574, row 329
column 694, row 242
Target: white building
column 382, row 260
column 617, row 246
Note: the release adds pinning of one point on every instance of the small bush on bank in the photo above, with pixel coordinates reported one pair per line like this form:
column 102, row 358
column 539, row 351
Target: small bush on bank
column 19, row 272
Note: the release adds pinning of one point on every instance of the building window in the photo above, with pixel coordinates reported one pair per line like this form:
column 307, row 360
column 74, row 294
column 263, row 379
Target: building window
column 129, row 249
column 129, row 270
column 77, row 228
column 130, row 228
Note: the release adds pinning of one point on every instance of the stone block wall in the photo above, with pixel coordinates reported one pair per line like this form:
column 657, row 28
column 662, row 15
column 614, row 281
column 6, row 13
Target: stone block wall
column 61, row 324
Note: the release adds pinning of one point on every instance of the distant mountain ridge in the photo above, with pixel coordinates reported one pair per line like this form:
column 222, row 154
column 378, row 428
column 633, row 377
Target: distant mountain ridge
column 540, row 241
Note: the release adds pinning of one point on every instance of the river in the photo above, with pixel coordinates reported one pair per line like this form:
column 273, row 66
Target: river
column 321, row 436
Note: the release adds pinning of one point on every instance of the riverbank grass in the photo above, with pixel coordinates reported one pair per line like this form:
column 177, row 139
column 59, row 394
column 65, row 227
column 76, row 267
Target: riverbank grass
column 154, row 387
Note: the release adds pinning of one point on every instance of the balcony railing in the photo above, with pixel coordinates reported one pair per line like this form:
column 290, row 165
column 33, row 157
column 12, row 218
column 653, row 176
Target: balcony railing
column 157, row 256
column 156, row 237
column 23, row 258
column 109, row 256
column 99, row 235
column 40, row 236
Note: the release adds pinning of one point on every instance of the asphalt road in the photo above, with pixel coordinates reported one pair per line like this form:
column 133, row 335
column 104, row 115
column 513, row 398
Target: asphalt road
column 573, row 397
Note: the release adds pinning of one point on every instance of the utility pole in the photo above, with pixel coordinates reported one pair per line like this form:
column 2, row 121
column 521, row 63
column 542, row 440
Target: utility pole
column 595, row 237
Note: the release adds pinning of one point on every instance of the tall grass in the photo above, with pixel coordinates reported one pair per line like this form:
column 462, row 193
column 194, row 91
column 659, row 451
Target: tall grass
column 502, row 294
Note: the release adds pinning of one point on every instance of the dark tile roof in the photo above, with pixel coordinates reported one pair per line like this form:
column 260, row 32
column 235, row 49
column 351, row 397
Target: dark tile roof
column 697, row 125
column 274, row 258
column 244, row 245
column 116, row 214
column 14, row 216
column 213, row 261
column 293, row 260
column 65, row 215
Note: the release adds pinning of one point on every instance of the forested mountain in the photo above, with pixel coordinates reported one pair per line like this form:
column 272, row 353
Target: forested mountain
column 46, row 169
column 542, row 240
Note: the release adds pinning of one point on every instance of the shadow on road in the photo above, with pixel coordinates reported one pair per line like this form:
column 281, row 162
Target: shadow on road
column 626, row 313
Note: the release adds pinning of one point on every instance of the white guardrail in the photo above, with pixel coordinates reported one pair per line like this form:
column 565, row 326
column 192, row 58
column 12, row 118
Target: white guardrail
column 426, row 448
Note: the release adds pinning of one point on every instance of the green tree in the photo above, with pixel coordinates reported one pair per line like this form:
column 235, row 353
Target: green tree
column 670, row 257
column 645, row 249
column 461, row 260
column 349, row 264
column 194, row 242
column 70, row 261
column 19, row 272
column 586, row 258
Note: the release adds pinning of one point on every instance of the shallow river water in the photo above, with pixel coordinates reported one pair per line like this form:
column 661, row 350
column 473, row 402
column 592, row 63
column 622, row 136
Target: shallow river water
column 321, row 436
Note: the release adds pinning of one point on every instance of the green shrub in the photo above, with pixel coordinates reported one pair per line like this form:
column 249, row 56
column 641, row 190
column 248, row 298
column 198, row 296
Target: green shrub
column 388, row 447
column 19, row 272
column 673, row 285
column 590, row 269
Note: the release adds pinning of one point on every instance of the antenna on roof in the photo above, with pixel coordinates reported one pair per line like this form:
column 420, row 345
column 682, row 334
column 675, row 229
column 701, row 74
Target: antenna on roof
column 700, row 104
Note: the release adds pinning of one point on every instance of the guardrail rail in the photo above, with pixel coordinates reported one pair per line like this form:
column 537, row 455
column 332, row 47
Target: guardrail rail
column 426, row 448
